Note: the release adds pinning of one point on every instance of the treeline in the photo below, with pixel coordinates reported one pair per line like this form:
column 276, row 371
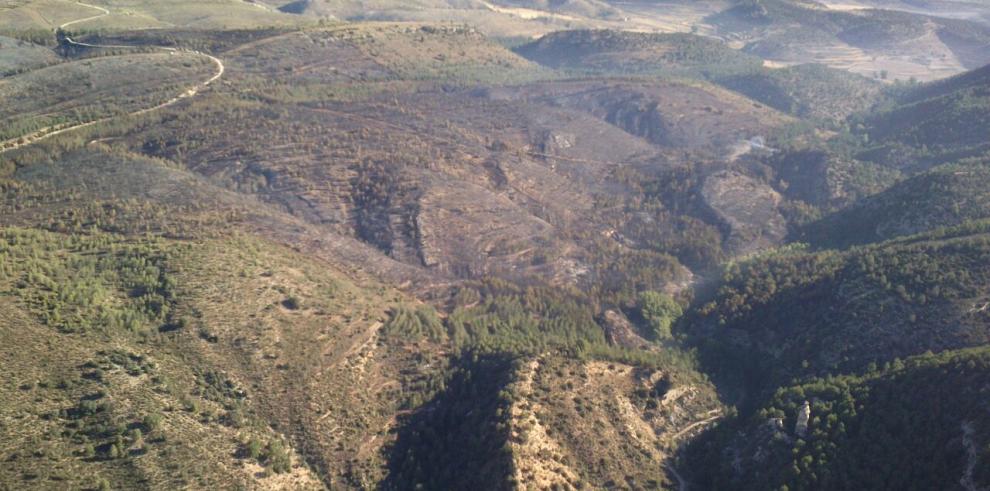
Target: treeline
column 499, row 316
column 507, row 319
column 39, row 36
column 583, row 52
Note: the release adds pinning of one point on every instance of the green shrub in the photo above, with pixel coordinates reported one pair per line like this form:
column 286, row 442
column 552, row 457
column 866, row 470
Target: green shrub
column 660, row 312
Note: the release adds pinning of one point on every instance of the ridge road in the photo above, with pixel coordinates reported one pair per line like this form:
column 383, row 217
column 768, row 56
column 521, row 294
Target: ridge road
column 53, row 130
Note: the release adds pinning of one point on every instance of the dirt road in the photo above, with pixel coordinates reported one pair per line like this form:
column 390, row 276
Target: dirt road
column 53, row 130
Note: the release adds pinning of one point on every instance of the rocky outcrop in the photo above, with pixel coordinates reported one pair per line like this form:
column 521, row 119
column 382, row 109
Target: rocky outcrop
column 747, row 208
column 804, row 415
column 555, row 141
column 620, row 332
column 592, row 424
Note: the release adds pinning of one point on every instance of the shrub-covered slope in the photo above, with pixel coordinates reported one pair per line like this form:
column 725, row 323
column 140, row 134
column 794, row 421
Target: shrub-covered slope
column 934, row 123
column 920, row 423
column 791, row 314
column 942, row 197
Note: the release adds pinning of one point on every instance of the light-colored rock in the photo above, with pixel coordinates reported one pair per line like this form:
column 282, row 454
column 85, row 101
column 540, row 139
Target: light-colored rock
column 804, row 415
column 748, row 207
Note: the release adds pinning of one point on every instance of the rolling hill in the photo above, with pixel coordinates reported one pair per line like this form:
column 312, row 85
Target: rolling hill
column 946, row 196
column 859, row 432
column 490, row 245
column 871, row 42
column 629, row 53
column 934, row 123
column 867, row 305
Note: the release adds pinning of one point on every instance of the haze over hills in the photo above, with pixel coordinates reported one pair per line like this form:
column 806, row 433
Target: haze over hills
column 516, row 244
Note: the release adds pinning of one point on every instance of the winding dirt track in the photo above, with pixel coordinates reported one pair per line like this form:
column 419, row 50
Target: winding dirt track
column 104, row 12
column 682, row 485
column 53, row 130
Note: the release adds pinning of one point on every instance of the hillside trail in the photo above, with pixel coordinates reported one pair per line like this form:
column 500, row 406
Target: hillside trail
column 49, row 131
column 710, row 416
column 103, row 13
column 682, row 485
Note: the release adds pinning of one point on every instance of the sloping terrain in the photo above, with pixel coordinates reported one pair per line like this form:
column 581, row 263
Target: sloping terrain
column 953, row 9
column 863, row 431
column 517, row 18
column 870, row 42
column 808, row 91
column 946, row 196
column 254, row 329
column 801, row 313
column 401, row 255
column 630, row 53
column 44, row 15
column 17, row 55
column 128, row 14
column 935, row 123
column 826, row 351
column 614, row 426
column 149, row 388
column 496, row 163
column 87, row 90
column 689, row 115
column 830, row 180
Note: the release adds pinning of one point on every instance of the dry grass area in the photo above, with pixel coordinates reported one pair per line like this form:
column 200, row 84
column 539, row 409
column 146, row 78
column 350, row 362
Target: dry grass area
column 131, row 14
column 538, row 458
column 82, row 413
column 40, row 14
column 953, row 9
column 18, row 55
column 883, row 40
column 270, row 346
column 418, row 51
column 668, row 16
column 924, row 59
column 260, row 342
column 533, row 19
column 326, row 378
column 307, row 57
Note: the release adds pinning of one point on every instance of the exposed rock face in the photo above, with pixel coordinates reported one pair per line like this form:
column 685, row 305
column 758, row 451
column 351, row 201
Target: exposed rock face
column 620, row 332
column 641, row 118
column 555, row 141
column 748, row 208
column 804, row 415
column 616, row 422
